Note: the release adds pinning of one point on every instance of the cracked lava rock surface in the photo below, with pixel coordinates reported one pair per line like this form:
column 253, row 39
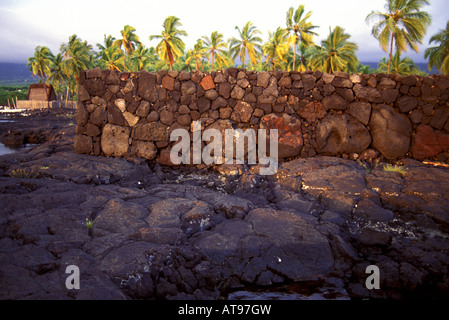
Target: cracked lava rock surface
column 205, row 233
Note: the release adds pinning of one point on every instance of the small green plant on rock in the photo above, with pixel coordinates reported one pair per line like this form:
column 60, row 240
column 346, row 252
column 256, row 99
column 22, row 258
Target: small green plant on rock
column 89, row 223
column 395, row 168
column 369, row 167
column 24, row 173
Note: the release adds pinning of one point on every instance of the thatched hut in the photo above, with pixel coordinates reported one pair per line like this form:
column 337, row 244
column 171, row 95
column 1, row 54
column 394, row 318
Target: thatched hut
column 41, row 92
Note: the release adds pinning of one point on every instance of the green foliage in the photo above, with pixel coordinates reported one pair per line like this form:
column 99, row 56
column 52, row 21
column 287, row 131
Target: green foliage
column 369, row 167
column 402, row 25
column 24, row 174
column 396, row 168
column 402, row 66
column 364, row 69
column 336, row 53
column 217, row 49
column 248, row 42
column 89, row 223
column 196, row 54
column 171, row 47
column 11, row 93
column 439, row 55
column 276, row 48
column 41, row 63
column 301, row 31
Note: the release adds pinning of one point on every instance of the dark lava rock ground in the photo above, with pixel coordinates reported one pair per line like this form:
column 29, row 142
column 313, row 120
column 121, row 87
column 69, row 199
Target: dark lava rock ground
column 190, row 233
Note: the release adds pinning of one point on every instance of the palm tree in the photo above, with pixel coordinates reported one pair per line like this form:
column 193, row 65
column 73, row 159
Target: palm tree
column 365, row 69
column 439, row 55
column 140, row 58
column 171, row 47
column 197, row 54
column 77, row 57
column 108, row 42
column 41, row 63
column 403, row 25
column 303, row 61
column 128, row 42
column 398, row 65
column 336, row 53
column 217, row 49
column 277, row 47
column 57, row 78
column 249, row 43
column 112, row 58
column 300, row 29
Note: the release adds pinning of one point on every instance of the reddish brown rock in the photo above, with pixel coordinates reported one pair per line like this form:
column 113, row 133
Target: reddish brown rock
column 311, row 111
column 83, row 94
column 290, row 140
column 82, row 116
column 114, row 140
column 391, row 131
column 164, row 158
column 83, row 144
column 184, row 120
column 342, row 83
column 337, row 134
column 168, row 82
column 427, row 143
column 147, row 86
column 167, row 117
column 207, row 83
column 335, row 102
column 224, row 90
column 152, row 131
column 143, row 149
column 99, row 117
column 244, row 110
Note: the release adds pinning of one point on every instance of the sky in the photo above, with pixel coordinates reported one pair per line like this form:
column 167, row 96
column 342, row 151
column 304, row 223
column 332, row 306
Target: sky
column 26, row 24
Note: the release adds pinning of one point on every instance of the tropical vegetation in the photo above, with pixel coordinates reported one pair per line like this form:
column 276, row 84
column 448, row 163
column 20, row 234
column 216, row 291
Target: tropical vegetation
column 439, row 55
column 401, row 26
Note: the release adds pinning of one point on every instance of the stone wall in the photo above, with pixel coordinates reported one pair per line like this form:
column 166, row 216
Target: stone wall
column 133, row 114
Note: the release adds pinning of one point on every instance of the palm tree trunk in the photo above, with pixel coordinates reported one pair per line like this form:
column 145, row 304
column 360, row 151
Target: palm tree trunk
column 124, row 61
column 67, row 96
column 391, row 53
column 197, row 64
column 294, row 54
column 213, row 60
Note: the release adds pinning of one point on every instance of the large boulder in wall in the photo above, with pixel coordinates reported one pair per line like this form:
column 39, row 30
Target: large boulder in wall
column 337, row 134
column 391, row 131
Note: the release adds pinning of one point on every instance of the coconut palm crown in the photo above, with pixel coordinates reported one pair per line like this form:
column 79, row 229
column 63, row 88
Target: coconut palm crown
column 171, row 47
column 439, row 55
column 301, row 30
column 402, row 25
column 248, row 42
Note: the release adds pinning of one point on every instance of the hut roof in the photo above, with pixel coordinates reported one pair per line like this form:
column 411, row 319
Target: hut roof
column 41, row 92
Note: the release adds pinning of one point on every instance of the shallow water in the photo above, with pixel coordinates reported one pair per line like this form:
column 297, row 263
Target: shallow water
column 6, row 150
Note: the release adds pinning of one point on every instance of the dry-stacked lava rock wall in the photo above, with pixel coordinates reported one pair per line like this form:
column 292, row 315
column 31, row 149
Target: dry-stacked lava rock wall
column 132, row 114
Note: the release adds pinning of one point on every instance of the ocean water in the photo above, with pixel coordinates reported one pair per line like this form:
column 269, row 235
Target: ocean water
column 421, row 66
